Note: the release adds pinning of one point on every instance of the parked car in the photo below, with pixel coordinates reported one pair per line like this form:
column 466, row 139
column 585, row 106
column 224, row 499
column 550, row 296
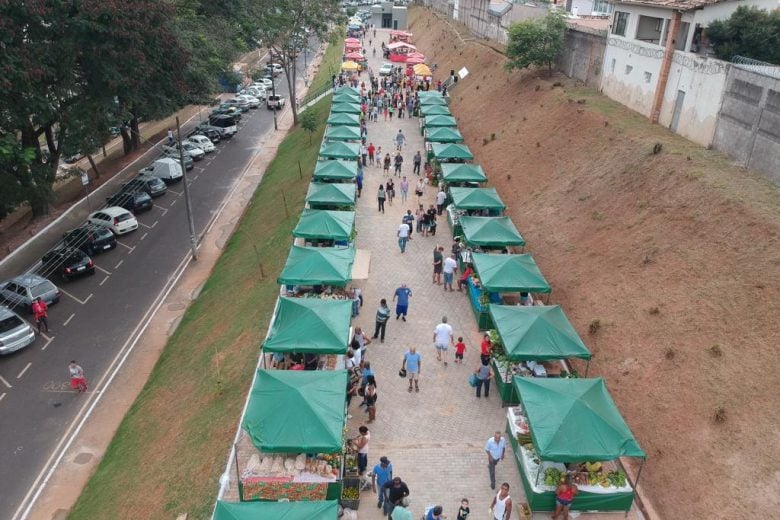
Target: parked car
column 202, row 142
column 133, row 201
column 252, row 100
column 226, row 124
column 90, row 238
column 23, row 290
column 118, row 220
column 152, row 185
column 275, row 68
column 241, row 104
column 257, row 91
column 386, row 69
column 70, row 263
column 267, row 83
column 212, row 132
column 15, row 332
column 189, row 150
column 227, row 110
column 167, row 169
column 173, row 153
column 274, row 102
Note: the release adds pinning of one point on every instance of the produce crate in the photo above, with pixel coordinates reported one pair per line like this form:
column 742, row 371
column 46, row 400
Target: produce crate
column 353, row 485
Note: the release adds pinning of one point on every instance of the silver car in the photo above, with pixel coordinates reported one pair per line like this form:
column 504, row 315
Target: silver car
column 15, row 333
column 22, row 290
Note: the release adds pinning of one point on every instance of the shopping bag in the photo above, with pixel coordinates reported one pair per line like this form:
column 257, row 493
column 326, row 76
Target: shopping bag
column 473, row 380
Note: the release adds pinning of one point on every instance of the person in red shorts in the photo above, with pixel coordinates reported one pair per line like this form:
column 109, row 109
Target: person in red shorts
column 77, row 380
column 460, row 348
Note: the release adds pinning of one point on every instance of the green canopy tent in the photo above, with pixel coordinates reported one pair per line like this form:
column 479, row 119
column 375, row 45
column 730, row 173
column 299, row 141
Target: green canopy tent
column 331, row 195
column 493, row 232
column 335, row 170
column 444, row 152
column 297, row 411
column 432, row 100
column 344, row 120
column 309, row 325
column 509, row 273
column 346, row 96
column 429, row 93
column 435, row 110
column 342, row 133
column 320, row 510
column 318, row 266
column 320, row 224
column 345, row 108
column 537, row 333
column 444, row 134
column 439, row 121
column 339, row 150
column 462, row 173
column 476, row 198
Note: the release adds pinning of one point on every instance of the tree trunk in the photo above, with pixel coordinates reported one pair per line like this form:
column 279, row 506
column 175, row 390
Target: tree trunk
column 135, row 133
column 127, row 145
column 94, row 166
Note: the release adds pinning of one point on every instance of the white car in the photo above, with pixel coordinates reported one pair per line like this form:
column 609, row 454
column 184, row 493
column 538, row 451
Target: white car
column 190, row 150
column 239, row 103
column 118, row 220
column 202, row 142
column 386, row 69
column 263, row 82
column 257, row 91
column 252, row 100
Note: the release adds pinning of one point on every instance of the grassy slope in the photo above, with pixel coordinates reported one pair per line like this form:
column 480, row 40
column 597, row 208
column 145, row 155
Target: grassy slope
column 331, row 64
column 170, row 449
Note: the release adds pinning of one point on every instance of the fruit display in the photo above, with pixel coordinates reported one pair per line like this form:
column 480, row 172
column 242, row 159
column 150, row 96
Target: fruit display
column 617, row 478
column 350, row 493
column 552, row 477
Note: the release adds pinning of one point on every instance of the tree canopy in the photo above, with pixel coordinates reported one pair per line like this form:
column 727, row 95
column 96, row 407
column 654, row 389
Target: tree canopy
column 749, row 32
column 536, row 41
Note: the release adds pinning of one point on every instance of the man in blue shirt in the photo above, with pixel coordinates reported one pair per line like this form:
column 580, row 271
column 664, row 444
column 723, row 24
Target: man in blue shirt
column 382, row 472
column 495, row 448
column 402, row 293
column 412, row 364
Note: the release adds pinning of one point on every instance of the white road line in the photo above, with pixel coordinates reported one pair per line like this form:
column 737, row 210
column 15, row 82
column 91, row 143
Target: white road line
column 82, row 302
column 117, row 265
column 164, row 210
column 68, row 320
column 144, row 236
column 6, row 383
column 2, row 396
column 173, row 202
column 147, row 226
column 101, row 269
column 24, row 370
column 177, row 193
column 48, row 340
column 194, row 177
column 104, row 280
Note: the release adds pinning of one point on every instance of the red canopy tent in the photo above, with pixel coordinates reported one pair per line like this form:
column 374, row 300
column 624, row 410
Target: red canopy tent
column 351, row 40
column 401, row 36
column 399, row 51
column 354, row 56
column 401, row 45
column 413, row 58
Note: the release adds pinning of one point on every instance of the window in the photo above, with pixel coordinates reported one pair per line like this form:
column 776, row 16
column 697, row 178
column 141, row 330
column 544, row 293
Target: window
column 649, row 29
column 619, row 23
column 629, row 68
column 648, row 77
column 602, row 7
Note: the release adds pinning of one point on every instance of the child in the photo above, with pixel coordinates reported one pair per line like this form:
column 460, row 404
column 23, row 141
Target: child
column 460, row 348
column 463, row 510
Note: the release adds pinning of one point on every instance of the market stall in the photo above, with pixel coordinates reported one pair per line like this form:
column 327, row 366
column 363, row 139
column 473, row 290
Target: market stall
column 321, row 510
column 433, row 100
column 343, row 119
column 443, row 134
column 461, row 174
column 333, row 196
column 325, row 227
column 346, row 95
column 400, row 36
column 350, row 66
column 484, row 202
column 295, row 422
column 317, row 267
column 423, row 71
column 414, row 58
column 427, row 123
column 339, row 150
column 343, row 133
column 434, row 110
column 398, row 51
column 335, row 170
column 571, row 426
column 345, row 108
column 532, row 341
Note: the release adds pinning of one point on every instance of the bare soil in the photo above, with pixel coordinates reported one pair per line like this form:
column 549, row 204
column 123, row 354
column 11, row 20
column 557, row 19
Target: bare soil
column 673, row 257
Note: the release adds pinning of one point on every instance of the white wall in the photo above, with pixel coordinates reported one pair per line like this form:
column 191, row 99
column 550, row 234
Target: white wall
column 630, row 87
column 723, row 10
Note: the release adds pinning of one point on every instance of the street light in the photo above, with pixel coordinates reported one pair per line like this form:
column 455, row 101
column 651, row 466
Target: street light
column 187, row 203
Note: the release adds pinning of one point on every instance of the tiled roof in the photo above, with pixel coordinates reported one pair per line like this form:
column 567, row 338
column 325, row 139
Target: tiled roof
column 683, row 5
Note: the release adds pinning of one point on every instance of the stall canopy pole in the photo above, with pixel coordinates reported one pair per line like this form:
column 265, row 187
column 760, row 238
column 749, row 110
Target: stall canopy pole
column 587, row 367
column 238, row 474
column 547, row 300
column 639, row 474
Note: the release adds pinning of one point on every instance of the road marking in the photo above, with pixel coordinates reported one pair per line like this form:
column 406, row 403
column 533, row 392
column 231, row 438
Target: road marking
column 194, row 177
column 147, row 226
column 128, row 247
column 104, row 280
column 6, row 383
column 48, row 340
column 200, row 168
column 117, row 265
column 144, row 236
column 2, row 396
column 164, row 210
column 68, row 320
column 82, row 302
column 173, row 202
column 177, row 193
column 24, row 370
column 101, row 269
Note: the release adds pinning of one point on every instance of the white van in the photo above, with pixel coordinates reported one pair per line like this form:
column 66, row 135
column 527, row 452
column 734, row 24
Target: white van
column 167, row 169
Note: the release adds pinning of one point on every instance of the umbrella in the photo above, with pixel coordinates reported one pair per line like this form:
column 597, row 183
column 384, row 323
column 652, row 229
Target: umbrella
column 349, row 65
column 414, row 60
column 351, row 40
column 421, row 69
column 419, row 55
column 354, row 56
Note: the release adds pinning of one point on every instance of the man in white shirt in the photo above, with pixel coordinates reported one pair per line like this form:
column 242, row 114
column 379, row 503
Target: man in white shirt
column 403, row 236
column 440, row 198
column 449, row 267
column 442, row 339
column 495, row 448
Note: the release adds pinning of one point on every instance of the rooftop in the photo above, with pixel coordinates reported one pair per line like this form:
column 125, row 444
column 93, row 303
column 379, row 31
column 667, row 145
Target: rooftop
column 683, row 5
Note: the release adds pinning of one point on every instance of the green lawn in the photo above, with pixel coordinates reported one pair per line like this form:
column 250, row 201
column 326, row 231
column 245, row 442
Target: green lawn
column 172, row 446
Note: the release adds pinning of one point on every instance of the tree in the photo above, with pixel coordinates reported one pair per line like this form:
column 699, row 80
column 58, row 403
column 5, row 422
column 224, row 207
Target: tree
column 536, row 42
column 749, row 32
column 310, row 121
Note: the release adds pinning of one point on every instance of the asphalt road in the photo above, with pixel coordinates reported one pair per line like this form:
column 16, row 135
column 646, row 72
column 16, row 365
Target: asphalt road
column 99, row 314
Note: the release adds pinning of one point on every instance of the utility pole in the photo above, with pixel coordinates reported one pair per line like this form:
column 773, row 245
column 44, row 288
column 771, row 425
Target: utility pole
column 273, row 93
column 187, row 203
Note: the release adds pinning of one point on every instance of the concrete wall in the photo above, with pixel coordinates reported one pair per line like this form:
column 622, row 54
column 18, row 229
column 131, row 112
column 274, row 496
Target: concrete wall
column 582, row 57
column 748, row 128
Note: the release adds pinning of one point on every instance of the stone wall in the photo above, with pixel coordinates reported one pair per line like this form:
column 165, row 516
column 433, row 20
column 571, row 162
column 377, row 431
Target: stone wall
column 582, row 57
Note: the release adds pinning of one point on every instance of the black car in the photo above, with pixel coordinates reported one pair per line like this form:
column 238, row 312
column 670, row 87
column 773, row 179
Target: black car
column 209, row 131
column 134, row 202
column 174, row 154
column 69, row 262
column 154, row 186
column 90, row 239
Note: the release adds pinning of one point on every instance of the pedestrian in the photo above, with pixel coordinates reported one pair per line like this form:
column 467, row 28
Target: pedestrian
column 357, row 301
column 484, row 375
column 386, row 110
column 501, row 507
column 438, row 261
column 402, row 511
column 379, row 157
column 400, row 140
column 361, row 444
column 382, row 315
column 403, row 236
column 495, row 449
column 364, row 154
column 171, row 139
column 460, row 349
column 398, row 162
column 380, row 198
column 380, row 475
column 371, row 149
column 362, row 340
column 449, row 267
column 387, row 163
column 390, row 110
column 485, row 349
column 395, row 491
column 412, row 364
column 420, row 190
column 435, row 513
column 464, row 511
column 403, row 294
column 463, row 278
column 404, row 185
column 390, row 191
column 564, row 495
column 409, row 221
column 426, row 224
column 417, row 162
column 359, row 182
column 370, row 397
column 39, row 310
column 78, row 381
column 374, row 110
column 440, row 198
column 442, row 339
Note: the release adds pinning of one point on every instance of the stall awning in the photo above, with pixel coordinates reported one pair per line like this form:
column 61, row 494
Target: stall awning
column 432, row 100
column 575, row 420
column 342, row 133
column 344, row 120
column 490, row 231
column 335, row 169
column 449, row 152
column 297, row 411
column 476, row 198
column 444, row 134
column 509, row 273
column 339, row 150
column 429, row 93
column 463, row 173
column 351, row 40
column 338, row 194
column 345, row 108
column 354, row 56
column 349, row 65
column 324, row 510
column 346, row 96
column 537, row 333
column 310, row 325
column 325, row 224
column 401, row 45
column 318, row 266
column 439, row 121
column 435, row 110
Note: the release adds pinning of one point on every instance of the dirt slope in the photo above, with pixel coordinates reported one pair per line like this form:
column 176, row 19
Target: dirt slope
column 675, row 254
